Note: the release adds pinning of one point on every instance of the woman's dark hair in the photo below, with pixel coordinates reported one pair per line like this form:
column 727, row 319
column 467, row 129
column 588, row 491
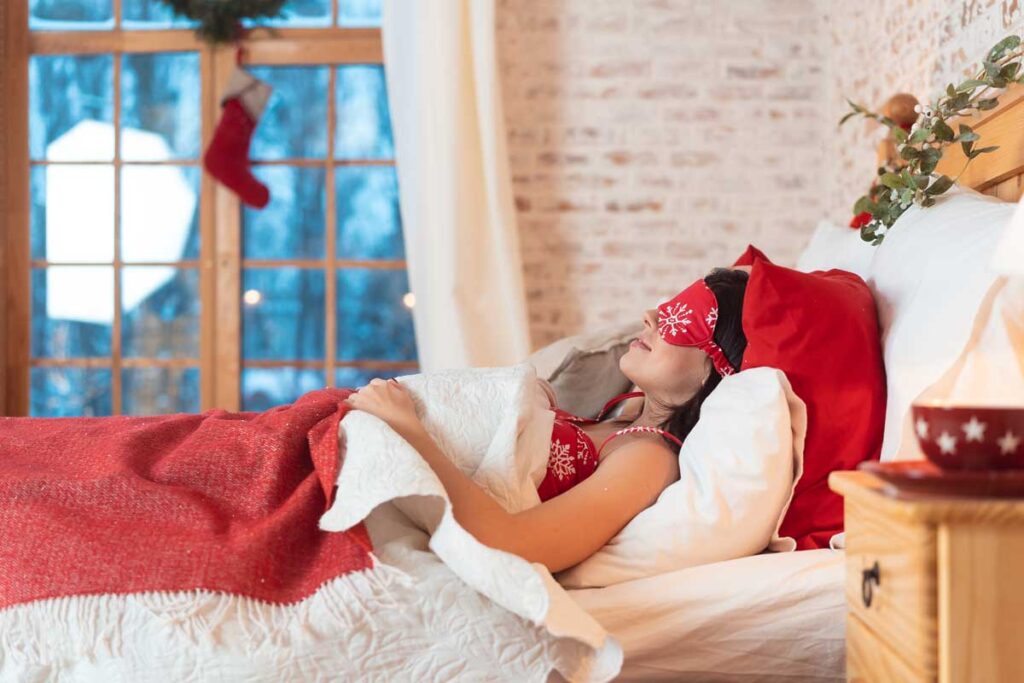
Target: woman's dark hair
column 729, row 287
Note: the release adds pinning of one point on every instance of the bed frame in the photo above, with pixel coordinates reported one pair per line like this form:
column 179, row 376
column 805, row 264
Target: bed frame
column 999, row 173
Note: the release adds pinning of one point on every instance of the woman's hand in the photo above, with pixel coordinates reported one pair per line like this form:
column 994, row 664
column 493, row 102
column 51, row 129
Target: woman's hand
column 389, row 401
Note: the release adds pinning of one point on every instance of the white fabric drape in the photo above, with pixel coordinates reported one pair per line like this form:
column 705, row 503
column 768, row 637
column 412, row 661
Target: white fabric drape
column 458, row 215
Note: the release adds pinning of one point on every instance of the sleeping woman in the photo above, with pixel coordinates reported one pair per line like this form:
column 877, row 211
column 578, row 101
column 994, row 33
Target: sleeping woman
column 688, row 344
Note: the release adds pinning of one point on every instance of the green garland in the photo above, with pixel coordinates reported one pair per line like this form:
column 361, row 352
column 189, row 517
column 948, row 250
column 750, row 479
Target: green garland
column 915, row 182
column 220, row 21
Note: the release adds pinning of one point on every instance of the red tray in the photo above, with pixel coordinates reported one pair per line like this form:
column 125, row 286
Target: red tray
column 922, row 477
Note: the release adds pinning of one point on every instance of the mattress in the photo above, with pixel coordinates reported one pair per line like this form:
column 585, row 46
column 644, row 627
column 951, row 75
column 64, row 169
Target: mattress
column 770, row 617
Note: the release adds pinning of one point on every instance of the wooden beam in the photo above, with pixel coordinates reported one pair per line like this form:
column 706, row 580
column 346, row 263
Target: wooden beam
column 281, row 46
column 1000, row 126
column 16, row 206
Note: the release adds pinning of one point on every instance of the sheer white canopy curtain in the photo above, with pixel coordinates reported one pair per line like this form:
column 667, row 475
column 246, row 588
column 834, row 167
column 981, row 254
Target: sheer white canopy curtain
column 458, row 215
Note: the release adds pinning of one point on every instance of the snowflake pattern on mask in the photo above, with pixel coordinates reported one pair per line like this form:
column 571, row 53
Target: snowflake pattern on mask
column 712, row 318
column 561, row 460
column 673, row 318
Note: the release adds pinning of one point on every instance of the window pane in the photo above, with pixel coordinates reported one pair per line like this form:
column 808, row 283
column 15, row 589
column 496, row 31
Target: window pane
column 294, row 124
column 69, row 15
column 363, row 125
column 150, row 14
column 37, row 213
column 291, row 226
column 73, row 213
column 160, row 312
column 71, row 108
column 358, row 13
column 69, row 392
column 355, row 378
column 72, row 311
column 264, row 388
column 282, row 314
column 156, row 391
column 298, row 14
column 160, row 95
column 159, row 213
column 368, row 222
column 374, row 322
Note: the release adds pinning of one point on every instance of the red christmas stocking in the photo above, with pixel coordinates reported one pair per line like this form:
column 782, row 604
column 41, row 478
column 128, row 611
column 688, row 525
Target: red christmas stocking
column 227, row 156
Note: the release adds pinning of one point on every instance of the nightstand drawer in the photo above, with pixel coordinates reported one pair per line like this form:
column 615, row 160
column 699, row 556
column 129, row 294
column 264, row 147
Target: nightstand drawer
column 869, row 659
column 891, row 583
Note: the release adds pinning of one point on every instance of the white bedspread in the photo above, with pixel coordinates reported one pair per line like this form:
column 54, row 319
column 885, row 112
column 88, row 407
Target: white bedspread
column 456, row 610
column 494, row 423
column 770, row 617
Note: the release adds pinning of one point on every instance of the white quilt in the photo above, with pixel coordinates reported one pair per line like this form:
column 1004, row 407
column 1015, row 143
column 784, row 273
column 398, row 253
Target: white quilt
column 453, row 610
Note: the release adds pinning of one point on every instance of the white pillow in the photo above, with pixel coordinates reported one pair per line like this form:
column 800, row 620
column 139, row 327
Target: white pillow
column 929, row 277
column 832, row 246
column 738, row 468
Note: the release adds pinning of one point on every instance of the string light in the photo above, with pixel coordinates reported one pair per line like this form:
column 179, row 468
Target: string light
column 252, row 297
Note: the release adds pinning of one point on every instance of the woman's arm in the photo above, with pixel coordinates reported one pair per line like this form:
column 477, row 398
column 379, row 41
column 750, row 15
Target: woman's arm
column 564, row 530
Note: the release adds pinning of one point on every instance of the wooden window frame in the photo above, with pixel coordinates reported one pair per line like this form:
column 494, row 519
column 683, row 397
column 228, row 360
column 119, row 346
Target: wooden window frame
column 220, row 262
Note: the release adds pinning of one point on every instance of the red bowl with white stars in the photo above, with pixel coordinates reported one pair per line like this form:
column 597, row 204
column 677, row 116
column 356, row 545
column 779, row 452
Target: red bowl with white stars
column 970, row 438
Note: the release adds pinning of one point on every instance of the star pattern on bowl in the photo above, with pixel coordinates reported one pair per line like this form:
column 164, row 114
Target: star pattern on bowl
column 1008, row 443
column 974, row 430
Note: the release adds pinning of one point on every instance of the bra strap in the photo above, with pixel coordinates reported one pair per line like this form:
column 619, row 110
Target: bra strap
column 609, row 404
column 639, row 428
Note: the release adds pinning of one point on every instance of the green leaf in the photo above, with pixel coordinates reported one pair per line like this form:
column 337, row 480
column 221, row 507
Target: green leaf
column 983, row 150
column 991, row 71
column 909, row 153
column 942, row 131
column 950, row 90
column 899, row 134
column 967, row 133
column 1002, row 47
column 929, row 159
column 861, row 205
column 922, row 181
column 966, row 146
column 969, row 84
column 920, row 135
column 1009, row 71
column 941, row 184
column 987, row 103
column 847, row 117
column 891, row 180
column 928, row 201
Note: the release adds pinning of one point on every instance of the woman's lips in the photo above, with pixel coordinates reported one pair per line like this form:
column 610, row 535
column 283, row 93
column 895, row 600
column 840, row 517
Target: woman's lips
column 640, row 344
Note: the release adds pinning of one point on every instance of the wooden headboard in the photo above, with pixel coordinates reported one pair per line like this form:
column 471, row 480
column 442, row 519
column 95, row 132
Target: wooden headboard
column 999, row 173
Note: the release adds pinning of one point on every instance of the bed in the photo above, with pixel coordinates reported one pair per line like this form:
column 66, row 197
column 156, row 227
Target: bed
column 773, row 616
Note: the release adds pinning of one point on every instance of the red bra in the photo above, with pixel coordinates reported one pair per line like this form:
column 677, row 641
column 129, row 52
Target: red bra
column 572, row 457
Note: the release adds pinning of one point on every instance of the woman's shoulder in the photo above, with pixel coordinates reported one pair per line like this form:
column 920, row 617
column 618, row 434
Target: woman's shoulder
column 549, row 390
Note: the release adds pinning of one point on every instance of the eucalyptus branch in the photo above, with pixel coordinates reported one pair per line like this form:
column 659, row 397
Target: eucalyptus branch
column 220, row 21
column 914, row 181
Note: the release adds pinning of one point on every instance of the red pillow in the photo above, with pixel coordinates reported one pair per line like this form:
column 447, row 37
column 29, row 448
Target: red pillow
column 821, row 329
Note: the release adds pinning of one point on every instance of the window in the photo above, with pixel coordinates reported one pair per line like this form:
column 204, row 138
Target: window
column 139, row 285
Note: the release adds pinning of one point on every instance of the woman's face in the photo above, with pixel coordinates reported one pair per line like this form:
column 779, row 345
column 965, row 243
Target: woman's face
column 669, row 373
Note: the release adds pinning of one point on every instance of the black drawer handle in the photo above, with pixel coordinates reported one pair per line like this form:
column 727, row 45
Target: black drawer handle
column 871, row 576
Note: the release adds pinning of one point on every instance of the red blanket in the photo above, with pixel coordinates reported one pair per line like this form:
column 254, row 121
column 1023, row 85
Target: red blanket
column 220, row 501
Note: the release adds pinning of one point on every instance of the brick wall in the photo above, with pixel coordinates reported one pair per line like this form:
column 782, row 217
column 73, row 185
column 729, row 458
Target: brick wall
column 881, row 47
column 651, row 140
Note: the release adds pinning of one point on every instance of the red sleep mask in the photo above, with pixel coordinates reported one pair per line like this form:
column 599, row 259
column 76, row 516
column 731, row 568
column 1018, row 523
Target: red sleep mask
column 689, row 319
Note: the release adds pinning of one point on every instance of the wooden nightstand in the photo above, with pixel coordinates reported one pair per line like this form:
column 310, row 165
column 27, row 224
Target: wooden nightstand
column 934, row 587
